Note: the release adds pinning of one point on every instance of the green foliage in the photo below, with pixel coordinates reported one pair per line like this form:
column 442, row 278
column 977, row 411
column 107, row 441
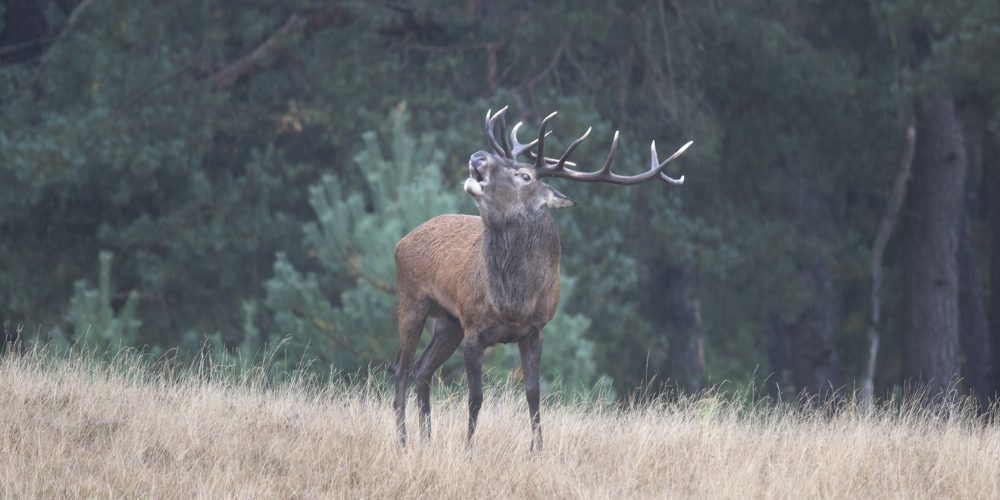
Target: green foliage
column 271, row 208
column 352, row 243
column 93, row 324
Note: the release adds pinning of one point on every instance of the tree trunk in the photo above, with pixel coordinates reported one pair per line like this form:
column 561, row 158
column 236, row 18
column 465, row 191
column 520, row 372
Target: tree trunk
column 991, row 173
column 668, row 301
column 802, row 336
column 974, row 336
column 675, row 314
column 683, row 312
column 815, row 363
column 801, row 348
column 779, row 353
column 931, row 345
column 974, row 328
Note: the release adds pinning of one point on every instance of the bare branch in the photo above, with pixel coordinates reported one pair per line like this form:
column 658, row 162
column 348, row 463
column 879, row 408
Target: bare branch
column 896, row 198
column 151, row 87
column 74, row 17
column 29, row 44
column 264, row 54
column 550, row 67
column 440, row 49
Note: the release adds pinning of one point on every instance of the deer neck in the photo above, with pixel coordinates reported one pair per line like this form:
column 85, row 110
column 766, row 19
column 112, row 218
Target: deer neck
column 522, row 260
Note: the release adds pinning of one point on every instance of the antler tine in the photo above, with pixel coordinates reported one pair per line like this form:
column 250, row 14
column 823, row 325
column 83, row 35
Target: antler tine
column 659, row 166
column 604, row 174
column 490, row 138
column 503, row 137
column 611, row 155
column 549, row 161
column 562, row 159
column 670, row 180
column 516, row 147
column 519, row 149
column 540, row 156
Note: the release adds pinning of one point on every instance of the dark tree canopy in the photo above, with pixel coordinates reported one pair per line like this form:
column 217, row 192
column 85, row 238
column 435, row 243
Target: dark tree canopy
column 182, row 173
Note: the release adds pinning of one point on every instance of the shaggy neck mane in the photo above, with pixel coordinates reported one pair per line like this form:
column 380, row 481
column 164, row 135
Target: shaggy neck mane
column 519, row 257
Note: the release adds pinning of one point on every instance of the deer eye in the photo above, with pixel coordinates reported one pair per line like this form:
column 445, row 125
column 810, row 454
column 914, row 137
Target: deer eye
column 525, row 177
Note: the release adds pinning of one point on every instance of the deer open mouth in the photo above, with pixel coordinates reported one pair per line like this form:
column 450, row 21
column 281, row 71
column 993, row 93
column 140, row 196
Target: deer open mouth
column 475, row 183
column 477, row 164
column 477, row 180
column 474, row 174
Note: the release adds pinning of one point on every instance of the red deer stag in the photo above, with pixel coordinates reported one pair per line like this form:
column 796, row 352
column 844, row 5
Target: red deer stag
column 494, row 278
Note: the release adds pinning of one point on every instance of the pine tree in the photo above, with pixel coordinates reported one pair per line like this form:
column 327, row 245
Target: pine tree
column 93, row 324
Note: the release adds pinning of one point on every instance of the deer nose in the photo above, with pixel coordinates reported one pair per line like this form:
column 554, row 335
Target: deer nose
column 477, row 162
column 478, row 159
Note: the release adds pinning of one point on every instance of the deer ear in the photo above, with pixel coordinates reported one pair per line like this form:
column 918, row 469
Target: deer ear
column 555, row 199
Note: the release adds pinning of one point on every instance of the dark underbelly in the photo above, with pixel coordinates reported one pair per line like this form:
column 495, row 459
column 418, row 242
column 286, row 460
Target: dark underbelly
column 506, row 334
column 510, row 330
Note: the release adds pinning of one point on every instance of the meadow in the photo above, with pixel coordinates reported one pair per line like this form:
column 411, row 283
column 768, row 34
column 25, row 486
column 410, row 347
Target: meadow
column 76, row 427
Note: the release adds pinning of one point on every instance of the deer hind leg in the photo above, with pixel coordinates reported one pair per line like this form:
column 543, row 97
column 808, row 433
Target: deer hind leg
column 412, row 316
column 447, row 336
column 474, row 374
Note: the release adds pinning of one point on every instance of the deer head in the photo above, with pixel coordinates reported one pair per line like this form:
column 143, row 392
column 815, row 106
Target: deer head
column 506, row 191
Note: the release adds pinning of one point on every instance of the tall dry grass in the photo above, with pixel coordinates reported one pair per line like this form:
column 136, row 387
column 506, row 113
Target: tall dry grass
column 85, row 429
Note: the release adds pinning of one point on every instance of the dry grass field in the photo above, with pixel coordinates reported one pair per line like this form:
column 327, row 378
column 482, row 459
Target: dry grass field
column 81, row 429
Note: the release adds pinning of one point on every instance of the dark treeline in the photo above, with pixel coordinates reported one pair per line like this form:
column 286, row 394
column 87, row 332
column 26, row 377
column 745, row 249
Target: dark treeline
column 191, row 172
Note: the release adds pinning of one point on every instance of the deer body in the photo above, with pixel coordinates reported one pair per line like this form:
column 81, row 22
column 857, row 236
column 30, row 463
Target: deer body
column 485, row 280
column 499, row 283
column 489, row 279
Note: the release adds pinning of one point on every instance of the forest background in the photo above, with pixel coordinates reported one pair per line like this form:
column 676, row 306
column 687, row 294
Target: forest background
column 185, row 175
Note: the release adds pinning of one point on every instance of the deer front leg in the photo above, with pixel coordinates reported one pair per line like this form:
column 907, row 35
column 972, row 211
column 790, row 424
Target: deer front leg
column 474, row 373
column 531, row 355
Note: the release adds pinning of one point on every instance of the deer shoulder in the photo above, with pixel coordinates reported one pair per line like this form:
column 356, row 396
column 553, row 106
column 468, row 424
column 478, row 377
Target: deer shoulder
column 440, row 261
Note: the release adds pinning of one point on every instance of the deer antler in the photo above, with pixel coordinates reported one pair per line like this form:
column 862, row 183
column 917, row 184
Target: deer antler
column 548, row 167
column 500, row 149
column 514, row 148
column 518, row 148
